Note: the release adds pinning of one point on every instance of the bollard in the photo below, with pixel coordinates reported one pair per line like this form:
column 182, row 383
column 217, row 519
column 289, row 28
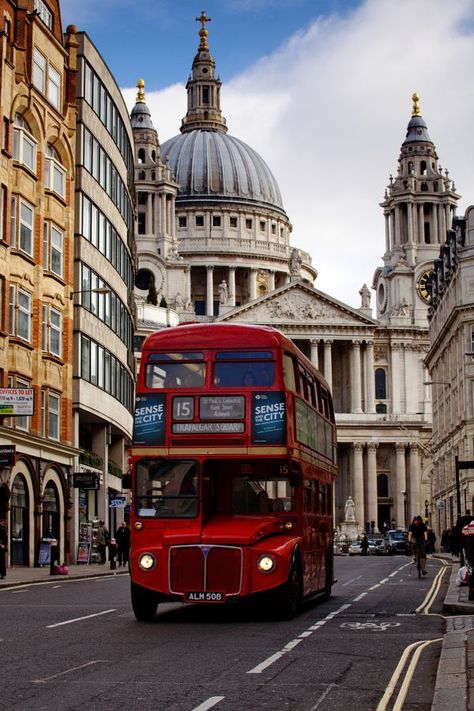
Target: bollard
column 53, row 556
column 112, row 554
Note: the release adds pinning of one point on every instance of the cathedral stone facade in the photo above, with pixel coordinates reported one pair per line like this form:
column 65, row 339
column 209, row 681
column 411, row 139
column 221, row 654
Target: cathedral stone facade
column 213, row 244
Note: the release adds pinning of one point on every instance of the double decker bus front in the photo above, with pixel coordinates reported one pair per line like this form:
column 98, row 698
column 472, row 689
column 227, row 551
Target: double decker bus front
column 217, row 495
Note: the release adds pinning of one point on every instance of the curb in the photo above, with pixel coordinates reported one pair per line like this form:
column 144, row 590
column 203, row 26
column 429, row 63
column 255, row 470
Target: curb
column 63, row 578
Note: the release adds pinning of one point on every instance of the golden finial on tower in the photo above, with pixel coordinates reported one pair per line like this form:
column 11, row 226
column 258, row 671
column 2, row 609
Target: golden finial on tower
column 203, row 18
column 141, row 91
column 416, row 105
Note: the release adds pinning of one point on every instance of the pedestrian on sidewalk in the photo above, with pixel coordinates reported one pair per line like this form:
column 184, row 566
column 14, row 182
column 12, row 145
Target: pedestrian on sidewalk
column 3, row 549
column 122, row 536
column 102, row 542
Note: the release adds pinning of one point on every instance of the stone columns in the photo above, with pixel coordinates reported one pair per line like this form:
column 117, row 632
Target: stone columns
column 397, row 234
column 370, row 377
column 421, row 223
column 314, row 352
column 253, row 284
column 436, row 239
column 356, row 380
column 149, row 214
column 271, row 280
column 396, row 383
column 410, row 223
column 210, row 291
column 372, row 481
column 387, row 232
column 357, row 449
column 328, row 362
column 401, row 484
column 448, row 219
column 231, row 286
column 163, row 213
column 414, row 491
column 188, row 273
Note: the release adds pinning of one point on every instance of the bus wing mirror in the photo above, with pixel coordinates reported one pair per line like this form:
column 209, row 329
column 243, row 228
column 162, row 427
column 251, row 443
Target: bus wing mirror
column 126, row 481
column 295, row 479
column 295, row 475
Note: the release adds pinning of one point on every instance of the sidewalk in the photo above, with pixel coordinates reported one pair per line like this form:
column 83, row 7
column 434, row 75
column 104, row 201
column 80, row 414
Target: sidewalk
column 455, row 678
column 23, row 576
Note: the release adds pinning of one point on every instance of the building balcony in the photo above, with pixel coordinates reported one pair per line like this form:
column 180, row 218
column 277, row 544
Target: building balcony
column 229, row 245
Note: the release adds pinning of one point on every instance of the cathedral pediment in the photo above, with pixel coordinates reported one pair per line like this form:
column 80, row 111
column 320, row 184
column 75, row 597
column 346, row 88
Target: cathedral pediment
column 297, row 302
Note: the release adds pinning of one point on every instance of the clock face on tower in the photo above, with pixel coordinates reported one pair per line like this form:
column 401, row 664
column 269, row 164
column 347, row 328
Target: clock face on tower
column 423, row 285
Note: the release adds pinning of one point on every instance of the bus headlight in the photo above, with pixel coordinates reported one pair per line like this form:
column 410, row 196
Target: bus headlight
column 146, row 561
column 266, row 564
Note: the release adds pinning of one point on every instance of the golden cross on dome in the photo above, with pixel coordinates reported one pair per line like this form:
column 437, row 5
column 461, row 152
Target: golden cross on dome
column 203, row 18
column 416, row 105
column 141, row 91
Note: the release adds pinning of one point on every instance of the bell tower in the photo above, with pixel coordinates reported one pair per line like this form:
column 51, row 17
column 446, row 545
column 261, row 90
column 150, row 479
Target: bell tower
column 204, row 89
column 419, row 207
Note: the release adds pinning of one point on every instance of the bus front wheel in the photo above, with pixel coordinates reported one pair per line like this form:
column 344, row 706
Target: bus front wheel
column 288, row 597
column 144, row 603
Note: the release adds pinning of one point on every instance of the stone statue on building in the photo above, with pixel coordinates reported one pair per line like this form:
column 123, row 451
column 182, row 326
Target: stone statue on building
column 349, row 510
column 179, row 303
column 223, row 292
column 295, row 262
column 365, row 297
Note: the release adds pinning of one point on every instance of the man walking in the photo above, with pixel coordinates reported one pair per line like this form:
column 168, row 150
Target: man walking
column 122, row 536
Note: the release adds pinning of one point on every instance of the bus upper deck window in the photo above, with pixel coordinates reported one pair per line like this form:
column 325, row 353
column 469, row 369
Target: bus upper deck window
column 175, row 370
column 233, row 369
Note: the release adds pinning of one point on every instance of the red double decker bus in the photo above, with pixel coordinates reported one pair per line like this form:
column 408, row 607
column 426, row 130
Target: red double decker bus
column 233, row 465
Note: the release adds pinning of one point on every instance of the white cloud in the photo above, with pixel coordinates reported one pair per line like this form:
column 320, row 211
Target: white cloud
column 328, row 112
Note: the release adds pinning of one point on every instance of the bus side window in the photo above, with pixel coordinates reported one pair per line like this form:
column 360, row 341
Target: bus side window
column 289, row 369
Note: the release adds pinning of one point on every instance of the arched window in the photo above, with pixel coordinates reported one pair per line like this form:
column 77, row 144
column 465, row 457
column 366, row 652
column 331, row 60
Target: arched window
column 141, row 155
column 380, row 384
column 423, row 167
column 153, row 156
column 19, row 505
column 54, row 172
column 141, row 175
column 24, row 145
column 382, row 485
column 50, row 511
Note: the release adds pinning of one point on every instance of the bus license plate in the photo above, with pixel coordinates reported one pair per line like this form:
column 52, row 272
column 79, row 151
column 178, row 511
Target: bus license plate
column 204, row 596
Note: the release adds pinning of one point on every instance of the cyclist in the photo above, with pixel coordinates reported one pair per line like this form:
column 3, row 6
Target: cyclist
column 418, row 536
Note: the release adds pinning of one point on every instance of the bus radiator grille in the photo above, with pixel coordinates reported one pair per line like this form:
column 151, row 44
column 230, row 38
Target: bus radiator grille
column 213, row 568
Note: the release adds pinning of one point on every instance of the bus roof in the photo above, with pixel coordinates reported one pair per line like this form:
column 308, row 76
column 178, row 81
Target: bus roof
column 200, row 336
column 215, row 335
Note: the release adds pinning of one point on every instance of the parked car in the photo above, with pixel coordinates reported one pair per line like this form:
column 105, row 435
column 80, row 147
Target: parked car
column 355, row 548
column 377, row 545
column 397, row 543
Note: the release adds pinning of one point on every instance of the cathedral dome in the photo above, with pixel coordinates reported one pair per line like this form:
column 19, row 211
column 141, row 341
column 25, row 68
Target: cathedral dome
column 210, row 164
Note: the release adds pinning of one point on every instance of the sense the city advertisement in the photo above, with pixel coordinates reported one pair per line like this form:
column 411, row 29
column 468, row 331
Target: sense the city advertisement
column 268, row 418
column 149, row 419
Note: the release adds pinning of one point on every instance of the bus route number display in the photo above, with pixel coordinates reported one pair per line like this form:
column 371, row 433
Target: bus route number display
column 149, row 419
column 268, row 418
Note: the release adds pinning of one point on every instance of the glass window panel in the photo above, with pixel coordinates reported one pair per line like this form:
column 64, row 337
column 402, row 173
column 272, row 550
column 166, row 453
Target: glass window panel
column 39, row 71
column 85, row 358
column 56, row 251
column 54, row 87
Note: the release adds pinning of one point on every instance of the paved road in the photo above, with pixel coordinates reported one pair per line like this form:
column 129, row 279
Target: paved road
column 75, row 645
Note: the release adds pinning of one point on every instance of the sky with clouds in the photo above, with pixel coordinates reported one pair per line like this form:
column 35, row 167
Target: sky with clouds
column 321, row 89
